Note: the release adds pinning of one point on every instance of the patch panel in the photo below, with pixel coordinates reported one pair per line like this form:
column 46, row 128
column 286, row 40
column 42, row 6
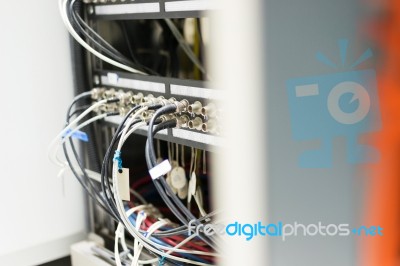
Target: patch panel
column 198, row 120
column 202, row 98
column 124, row 9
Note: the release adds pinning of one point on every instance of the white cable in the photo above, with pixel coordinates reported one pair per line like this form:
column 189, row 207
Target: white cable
column 63, row 4
column 128, row 124
column 130, row 132
column 89, row 121
column 120, row 234
column 148, row 244
column 124, row 245
column 92, row 120
column 129, row 226
column 124, row 138
column 139, row 220
column 154, row 227
column 68, row 127
column 81, row 96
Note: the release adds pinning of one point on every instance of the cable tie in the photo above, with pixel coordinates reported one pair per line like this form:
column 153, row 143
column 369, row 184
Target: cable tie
column 117, row 158
column 161, row 262
column 77, row 135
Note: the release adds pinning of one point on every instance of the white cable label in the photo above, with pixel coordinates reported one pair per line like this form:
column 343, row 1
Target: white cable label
column 160, row 169
column 123, row 184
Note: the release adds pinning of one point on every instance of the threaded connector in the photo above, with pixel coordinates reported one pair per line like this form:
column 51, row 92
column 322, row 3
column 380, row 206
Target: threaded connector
column 209, row 110
column 167, row 117
column 123, row 111
column 124, row 97
column 148, row 98
column 135, row 99
column 182, row 121
column 209, row 126
column 181, row 105
column 145, row 115
column 111, row 108
column 109, row 94
column 97, row 93
column 196, row 123
column 195, row 108
column 161, row 100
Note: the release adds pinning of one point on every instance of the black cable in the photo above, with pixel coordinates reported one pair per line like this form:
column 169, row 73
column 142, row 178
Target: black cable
column 170, row 108
column 163, row 188
column 165, row 125
column 79, row 20
column 151, row 162
column 79, row 23
column 105, row 183
column 80, row 97
column 77, row 111
column 159, row 187
column 82, row 182
column 198, row 24
column 201, row 43
column 171, row 44
column 122, row 25
column 130, row 49
column 85, row 176
column 96, row 40
column 87, row 179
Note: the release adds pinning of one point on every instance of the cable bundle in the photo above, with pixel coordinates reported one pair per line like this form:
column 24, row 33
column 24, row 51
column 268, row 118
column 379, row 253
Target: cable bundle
column 164, row 240
column 100, row 48
column 167, row 241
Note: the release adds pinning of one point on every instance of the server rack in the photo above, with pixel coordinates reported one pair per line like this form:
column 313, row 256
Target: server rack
column 90, row 72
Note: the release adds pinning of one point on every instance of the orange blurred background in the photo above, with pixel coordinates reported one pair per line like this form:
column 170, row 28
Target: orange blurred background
column 383, row 194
